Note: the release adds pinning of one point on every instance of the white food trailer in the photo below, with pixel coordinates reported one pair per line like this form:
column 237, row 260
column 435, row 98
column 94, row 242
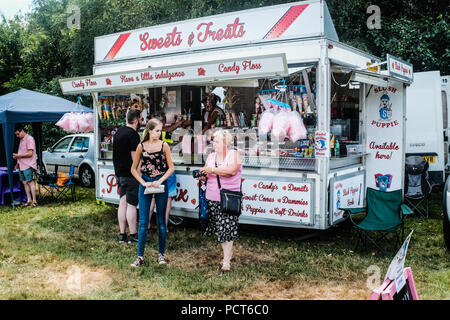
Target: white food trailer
column 247, row 50
column 426, row 132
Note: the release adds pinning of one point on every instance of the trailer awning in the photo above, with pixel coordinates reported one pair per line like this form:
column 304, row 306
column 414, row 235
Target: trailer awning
column 373, row 79
column 369, row 77
column 210, row 72
column 299, row 67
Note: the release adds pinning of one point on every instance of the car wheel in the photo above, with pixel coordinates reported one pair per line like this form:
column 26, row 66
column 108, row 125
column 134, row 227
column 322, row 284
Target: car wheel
column 87, row 176
column 447, row 231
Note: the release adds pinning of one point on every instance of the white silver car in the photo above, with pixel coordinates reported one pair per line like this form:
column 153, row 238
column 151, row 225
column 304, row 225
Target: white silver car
column 74, row 149
column 446, row 205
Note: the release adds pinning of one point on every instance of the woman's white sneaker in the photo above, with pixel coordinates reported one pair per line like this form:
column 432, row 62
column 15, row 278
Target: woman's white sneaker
column 162, row 259
column 138, row 262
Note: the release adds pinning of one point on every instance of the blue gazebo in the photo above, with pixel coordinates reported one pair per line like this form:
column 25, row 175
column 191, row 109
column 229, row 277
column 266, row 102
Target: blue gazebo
column 24, row 106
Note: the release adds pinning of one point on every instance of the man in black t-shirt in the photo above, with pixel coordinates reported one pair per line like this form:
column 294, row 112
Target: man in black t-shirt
column 125, row 142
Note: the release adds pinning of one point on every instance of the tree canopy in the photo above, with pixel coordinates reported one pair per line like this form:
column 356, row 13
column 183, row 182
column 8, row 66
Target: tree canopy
column 38, row 48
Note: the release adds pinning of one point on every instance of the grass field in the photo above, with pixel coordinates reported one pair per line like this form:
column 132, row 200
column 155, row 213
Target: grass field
column 70, row 251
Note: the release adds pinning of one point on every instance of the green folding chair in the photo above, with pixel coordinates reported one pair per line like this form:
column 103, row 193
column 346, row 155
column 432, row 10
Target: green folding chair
column 385, row 213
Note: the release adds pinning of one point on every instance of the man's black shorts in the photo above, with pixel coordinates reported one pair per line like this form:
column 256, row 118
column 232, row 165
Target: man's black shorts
column 128, row 187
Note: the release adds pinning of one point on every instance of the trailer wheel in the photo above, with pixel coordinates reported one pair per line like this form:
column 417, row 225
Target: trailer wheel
column 175, row 220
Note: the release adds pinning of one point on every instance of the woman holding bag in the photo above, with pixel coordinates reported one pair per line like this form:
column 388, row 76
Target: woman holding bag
column 224, row 167
column 156, row 167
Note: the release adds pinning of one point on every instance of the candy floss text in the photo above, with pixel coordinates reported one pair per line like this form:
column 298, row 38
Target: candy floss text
column 82, row 84
column 205, row 31
column 246, row 65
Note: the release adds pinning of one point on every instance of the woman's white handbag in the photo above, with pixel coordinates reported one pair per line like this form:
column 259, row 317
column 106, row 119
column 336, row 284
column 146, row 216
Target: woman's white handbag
column 150, row 190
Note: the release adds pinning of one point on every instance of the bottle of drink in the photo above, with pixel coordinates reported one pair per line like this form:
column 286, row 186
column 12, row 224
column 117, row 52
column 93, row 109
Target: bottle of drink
column 218, row 121
column 337, row 149
column 253, row 121
column 228, row 118
column 332, row 145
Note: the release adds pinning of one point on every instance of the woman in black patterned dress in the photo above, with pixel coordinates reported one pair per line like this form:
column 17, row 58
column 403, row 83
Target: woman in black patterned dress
column 226, row 164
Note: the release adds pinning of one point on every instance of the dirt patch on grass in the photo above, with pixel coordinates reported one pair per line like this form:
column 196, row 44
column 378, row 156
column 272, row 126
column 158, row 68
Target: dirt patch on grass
column 63, row 281
column 211, row 256
column 78, row 280
column 306, row 290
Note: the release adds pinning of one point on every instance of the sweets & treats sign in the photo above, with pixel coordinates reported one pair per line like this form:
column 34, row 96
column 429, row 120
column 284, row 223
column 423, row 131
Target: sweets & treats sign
column 287, row 21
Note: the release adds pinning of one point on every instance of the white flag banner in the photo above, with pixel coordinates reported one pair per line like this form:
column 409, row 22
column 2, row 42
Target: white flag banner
column 395, row 271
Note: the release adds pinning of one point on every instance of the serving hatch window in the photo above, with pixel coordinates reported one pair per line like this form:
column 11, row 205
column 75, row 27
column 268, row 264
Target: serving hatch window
column 344, row 115
column 273, row 120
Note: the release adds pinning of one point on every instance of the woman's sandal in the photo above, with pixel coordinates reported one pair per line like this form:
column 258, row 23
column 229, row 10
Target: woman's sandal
column 225, row 266
column 33, row 204
column 26, row 204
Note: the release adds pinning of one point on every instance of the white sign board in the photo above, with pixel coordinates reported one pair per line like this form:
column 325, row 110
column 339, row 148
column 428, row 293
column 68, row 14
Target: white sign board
column 384, row 140
column 400, row 68
column 277, row 200
column 287, row 21
column 322, row 144
column 347, row 192
column 187, row 193
column 395, row 271
column 242, row 68
column 263, row 198
column 107, row 184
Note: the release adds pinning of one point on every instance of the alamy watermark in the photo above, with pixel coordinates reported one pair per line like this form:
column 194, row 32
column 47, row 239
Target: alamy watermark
column 74, row 20
column 374, row 20
column 374, row 279
column 73, row 282
column 258, row 146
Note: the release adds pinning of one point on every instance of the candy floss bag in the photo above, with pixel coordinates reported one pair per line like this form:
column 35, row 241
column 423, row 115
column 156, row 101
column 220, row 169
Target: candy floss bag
column 73, row 123
column 64, row 122
column 297, row 129
column 266, row 122
column 281, row 125
column 83, row 122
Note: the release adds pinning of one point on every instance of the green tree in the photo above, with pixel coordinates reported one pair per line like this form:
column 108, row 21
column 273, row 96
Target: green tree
column 38, row 48
column 11, row 45
column 415, row 30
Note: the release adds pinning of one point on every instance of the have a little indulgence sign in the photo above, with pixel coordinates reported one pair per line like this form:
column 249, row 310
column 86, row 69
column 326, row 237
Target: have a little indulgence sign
column 384, row 137
column 251, row 67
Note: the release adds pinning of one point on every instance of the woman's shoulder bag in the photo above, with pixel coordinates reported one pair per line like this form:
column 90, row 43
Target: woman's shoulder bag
column 230, row 201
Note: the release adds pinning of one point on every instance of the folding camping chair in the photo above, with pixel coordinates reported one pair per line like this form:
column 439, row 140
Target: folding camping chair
column 417, row 185
column 384, row 215
column 67, row 191
column 44, row 181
